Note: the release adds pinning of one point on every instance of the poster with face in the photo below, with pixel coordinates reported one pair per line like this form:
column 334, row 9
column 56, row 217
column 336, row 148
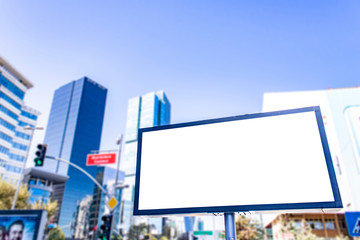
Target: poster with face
column 22, row 224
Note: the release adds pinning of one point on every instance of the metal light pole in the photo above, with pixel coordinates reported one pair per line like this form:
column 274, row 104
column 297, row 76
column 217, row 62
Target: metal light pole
column 118, row 142
column 24, row 164
column 116, row 186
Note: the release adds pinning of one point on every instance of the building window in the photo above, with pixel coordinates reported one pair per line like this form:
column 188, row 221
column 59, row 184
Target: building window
column 4, row 150
column 29, row 115
column 16, row 157
column 19, row 146
column 5, row 137
column 39, row 195
column 41, row 182
column 32, row 181
column 7, row 125
column 9, row 85
column 2, row 164
column 23, row 124
column 342, row 223
column 330, row 224
column 8, row 112
column 14, row 169
column 297, row 224
column 315, row 224
column 22, row 135
column 9, row 100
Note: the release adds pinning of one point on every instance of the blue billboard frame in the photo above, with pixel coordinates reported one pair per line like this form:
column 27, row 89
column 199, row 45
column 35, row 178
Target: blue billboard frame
column 336, row 204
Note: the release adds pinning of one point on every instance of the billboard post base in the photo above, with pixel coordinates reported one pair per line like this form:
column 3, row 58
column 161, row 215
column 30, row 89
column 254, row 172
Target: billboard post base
column 230, row 226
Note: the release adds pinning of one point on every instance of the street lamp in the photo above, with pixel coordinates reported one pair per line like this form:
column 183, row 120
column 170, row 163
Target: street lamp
column 119, row 186
column 32, row 129
column 118, row 142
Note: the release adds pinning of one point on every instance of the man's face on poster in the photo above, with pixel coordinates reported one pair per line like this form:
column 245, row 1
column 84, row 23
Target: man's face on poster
column 16, row 232
column 2, row 233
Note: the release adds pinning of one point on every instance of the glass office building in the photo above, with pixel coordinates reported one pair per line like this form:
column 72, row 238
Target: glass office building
column 42, row 185
column 73, row 131
column 149, row 110
column 14, row 116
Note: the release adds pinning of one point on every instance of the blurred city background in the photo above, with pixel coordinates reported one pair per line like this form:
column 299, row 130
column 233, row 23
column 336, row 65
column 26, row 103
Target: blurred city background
column 84, row 76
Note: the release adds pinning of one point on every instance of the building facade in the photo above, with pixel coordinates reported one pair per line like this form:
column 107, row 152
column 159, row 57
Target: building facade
column 14, row 116
column 321, row 225
column 73, row 131
column 43, row 185
column 340, row 109
column 149, row 110
column 80, row 228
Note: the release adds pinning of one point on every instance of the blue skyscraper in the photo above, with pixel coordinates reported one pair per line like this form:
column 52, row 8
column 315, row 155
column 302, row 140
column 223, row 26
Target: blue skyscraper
column 149, row 110
column 73, row 131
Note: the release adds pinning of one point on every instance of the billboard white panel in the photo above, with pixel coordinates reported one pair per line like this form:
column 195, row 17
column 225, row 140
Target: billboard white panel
column 267, row 161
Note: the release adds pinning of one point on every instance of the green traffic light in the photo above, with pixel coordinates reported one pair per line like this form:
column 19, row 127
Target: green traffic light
column 102, row 237
column 38, row 162
column 40, row 155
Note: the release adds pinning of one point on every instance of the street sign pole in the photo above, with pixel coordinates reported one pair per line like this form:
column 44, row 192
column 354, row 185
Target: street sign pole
column 230, row 231
column 118, row 142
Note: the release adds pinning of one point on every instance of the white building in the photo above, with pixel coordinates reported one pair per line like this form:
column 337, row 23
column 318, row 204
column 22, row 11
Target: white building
column 81, row 223
column 14, row 116
column 340, row 109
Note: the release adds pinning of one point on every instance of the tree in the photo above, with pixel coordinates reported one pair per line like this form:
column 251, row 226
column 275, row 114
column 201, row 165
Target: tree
column 168, row 229
column 136, row 231
column 246, row 229
column 51, row 207
column 342, row 237
column 299, row 233
column 7, row 194
column 56, row 234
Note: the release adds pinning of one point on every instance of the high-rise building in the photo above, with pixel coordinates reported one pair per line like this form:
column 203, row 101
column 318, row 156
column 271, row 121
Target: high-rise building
column 340, row 109
column 73, row 131
column 149, row 110
column 80, row 228
column 14, row 116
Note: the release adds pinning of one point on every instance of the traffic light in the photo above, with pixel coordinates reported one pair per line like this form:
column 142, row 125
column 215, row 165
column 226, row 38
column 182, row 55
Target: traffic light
column 40, row 155
column 106, row 226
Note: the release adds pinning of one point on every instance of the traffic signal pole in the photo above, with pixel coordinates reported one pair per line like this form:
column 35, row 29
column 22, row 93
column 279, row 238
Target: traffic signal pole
column 81, row 170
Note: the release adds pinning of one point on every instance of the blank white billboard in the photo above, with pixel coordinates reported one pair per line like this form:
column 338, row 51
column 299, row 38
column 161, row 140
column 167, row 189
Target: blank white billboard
column 267, row 161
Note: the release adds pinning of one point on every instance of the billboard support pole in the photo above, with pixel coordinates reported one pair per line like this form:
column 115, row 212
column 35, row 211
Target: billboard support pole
column 230, row 226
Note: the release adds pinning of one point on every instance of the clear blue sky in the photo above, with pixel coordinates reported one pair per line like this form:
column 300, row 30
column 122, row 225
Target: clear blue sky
column 212, row 58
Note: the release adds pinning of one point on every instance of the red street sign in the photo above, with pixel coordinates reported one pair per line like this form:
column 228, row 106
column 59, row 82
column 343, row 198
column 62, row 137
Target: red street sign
column 99, row 159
